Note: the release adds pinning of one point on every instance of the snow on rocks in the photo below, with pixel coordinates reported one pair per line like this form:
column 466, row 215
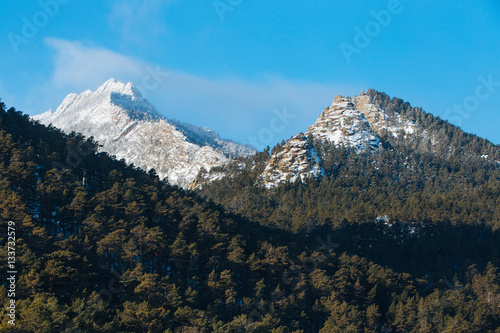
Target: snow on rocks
column 342, row 124
column 297, row 158
column 129, row 127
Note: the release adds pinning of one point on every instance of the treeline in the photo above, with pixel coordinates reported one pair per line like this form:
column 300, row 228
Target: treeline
column 104, row 247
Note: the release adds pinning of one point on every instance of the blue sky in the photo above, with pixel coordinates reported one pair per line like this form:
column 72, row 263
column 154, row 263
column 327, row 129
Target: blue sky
column 233, row 65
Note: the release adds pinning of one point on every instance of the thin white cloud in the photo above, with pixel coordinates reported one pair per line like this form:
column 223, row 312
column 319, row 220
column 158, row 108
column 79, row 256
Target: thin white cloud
column 135, row 19
column 83, row 67
column 237, row 108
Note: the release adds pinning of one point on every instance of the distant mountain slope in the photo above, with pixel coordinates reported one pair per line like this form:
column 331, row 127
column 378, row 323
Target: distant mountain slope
column 129, row 127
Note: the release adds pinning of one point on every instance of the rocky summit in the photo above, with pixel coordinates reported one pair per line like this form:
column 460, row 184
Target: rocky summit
column 353, row 122
column 342, row 124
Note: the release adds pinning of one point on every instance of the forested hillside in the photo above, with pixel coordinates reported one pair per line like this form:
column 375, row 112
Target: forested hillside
column 435, row 195
column 105, row 247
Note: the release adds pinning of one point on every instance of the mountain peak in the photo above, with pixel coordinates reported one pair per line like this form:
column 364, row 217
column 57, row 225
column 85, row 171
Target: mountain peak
column 112, row 100
column 342, row 124
column 129, row 127
column 353, row 122
column 382, row 120
column 339, row 99
column 117, row 86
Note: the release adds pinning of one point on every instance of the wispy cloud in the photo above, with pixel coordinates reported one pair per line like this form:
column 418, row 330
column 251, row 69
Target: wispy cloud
column 83, row 67
column 134, row 19
column 235, row 107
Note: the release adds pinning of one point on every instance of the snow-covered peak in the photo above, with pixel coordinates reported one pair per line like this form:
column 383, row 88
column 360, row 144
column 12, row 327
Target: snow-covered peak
column 114, row 99
column 129, row 127
column 117, row 86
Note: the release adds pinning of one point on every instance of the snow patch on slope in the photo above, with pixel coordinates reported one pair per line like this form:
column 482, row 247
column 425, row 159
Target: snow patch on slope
column 204, row 136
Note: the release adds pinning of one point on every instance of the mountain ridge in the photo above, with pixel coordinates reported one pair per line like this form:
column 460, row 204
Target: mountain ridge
column 367, row 124
column 129, row 127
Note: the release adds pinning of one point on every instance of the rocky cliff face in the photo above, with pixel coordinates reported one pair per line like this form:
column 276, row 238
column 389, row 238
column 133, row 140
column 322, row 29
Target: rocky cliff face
column 382, row 121
column 296, row 159
column 354, row 122
column 129, row 127
column 343, row 124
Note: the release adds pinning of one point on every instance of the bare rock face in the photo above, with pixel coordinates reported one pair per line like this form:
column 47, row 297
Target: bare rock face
column 380, row 120
column 129, row 127
column 342, row 124
column 352, row 122
column 296, row 159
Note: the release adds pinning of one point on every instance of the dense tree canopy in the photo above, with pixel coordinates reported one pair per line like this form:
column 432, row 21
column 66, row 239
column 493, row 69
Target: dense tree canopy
column 105, row 247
